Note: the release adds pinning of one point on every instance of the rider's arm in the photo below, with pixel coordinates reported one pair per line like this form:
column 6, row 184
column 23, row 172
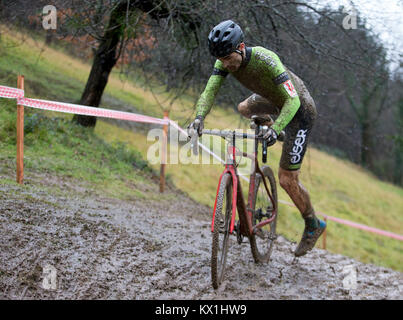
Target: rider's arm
column 206, row 99
column 288, row 91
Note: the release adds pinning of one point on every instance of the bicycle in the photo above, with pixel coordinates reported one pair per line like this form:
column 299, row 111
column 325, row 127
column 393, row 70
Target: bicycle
column 258, row 218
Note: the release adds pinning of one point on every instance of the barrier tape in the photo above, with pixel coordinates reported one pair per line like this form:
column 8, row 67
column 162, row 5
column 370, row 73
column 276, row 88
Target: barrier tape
column 354, row 224
column 7, row 92
column 14, row 93
column 11, row 93
column 87, row 111
column 200, row 144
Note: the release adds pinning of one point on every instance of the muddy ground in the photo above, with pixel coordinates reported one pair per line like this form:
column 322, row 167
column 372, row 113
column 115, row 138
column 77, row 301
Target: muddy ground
column 102, row 248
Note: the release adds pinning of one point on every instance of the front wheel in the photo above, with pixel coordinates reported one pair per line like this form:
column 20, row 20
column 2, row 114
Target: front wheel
column 262, row 242
column 221, row 234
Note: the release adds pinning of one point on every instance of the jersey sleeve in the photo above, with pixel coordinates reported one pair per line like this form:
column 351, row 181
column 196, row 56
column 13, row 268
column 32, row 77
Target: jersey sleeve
column 214, row 83
column 292, row 103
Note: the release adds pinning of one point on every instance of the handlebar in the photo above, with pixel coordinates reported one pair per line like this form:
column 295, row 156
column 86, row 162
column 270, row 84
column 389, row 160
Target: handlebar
column 229, row 134
column 226, row 134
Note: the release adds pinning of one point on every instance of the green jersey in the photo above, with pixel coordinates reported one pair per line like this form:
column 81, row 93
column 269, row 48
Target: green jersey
column 263, row 73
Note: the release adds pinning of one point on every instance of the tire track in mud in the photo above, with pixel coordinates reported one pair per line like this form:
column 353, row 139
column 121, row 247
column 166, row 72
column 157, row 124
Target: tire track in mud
column 110, row 249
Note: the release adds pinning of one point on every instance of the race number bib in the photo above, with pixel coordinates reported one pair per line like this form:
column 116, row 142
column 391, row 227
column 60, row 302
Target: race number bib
column 290, row 88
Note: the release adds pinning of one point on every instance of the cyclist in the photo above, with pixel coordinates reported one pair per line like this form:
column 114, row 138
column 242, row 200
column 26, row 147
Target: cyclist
column 277, row 91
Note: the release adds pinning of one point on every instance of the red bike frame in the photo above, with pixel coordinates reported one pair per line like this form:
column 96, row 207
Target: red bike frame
column 245, row 213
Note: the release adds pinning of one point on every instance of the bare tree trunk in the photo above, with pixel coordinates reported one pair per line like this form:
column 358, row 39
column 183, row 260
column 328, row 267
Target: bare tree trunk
column 49, row 36
column 366, row 141
column 105, row 59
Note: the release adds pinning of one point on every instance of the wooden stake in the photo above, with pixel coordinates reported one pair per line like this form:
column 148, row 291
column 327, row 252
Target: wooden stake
column 164, row 152
column 20, row 135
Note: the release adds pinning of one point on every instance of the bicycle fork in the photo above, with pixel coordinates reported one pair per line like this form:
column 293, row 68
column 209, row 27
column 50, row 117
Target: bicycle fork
column 235, row 187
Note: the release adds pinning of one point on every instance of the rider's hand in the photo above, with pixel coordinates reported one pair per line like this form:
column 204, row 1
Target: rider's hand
column 270, row 136
column 197, row 125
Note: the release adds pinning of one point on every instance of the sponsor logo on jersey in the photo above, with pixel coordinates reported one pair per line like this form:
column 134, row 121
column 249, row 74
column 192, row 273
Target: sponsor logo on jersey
column 298, row 146
column 290, row 88
column 265, row 58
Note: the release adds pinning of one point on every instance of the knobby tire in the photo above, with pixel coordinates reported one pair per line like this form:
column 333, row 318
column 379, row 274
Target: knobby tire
column 263, row 247
column 221, row 235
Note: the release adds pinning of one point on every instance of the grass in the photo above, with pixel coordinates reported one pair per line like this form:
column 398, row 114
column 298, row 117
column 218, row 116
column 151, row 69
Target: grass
column 112, row 158
column 57, row 146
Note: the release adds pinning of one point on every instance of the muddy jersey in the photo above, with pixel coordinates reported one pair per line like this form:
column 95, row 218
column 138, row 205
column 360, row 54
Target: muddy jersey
column 263, row 73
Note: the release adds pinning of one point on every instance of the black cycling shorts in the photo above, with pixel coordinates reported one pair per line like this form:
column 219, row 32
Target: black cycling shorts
column 297, row 134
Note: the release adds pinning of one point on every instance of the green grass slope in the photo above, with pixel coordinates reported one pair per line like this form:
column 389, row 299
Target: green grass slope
column 112, row 158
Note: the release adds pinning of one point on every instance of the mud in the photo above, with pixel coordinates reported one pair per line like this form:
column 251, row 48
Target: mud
column 109, row 249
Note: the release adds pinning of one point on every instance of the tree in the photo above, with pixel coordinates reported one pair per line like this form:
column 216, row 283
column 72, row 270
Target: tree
column 121, row 25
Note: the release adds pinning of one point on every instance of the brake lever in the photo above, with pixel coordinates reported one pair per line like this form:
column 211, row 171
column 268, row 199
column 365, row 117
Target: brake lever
column 264, row 151
column 264, row 144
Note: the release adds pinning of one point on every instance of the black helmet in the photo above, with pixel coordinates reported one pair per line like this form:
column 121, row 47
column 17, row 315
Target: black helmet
column 224, row 38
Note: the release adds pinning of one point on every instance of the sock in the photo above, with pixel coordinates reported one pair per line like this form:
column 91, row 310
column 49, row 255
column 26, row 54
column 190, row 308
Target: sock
column 311, row 222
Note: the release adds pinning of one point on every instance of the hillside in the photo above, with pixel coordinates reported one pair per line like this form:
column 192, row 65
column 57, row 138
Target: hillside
column 337, row 187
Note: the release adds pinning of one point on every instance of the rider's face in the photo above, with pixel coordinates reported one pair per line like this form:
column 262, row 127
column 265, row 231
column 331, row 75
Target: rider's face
column 232, row 62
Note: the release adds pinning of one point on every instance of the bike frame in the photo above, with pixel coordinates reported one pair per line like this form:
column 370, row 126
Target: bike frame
column 245, row 212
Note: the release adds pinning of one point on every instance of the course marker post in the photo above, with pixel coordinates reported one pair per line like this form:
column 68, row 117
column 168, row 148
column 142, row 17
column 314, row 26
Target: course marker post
column 20, row 135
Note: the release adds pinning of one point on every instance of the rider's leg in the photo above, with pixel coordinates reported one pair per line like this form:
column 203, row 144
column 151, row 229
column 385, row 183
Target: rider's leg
column 294, row 148
column 289, row 181
column 313, row 226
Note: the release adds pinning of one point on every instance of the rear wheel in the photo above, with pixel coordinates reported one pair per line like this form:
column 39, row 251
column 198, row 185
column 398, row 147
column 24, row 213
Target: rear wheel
column 221, row 233
column 262, row 242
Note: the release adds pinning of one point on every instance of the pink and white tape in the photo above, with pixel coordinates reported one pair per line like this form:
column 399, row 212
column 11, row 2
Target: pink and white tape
column 172, row 123
column 13, row 93
column 89, row 111
column 354, row 224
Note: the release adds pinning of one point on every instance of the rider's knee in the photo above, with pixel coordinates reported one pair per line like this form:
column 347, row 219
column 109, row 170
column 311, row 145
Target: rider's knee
column 243, row 108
